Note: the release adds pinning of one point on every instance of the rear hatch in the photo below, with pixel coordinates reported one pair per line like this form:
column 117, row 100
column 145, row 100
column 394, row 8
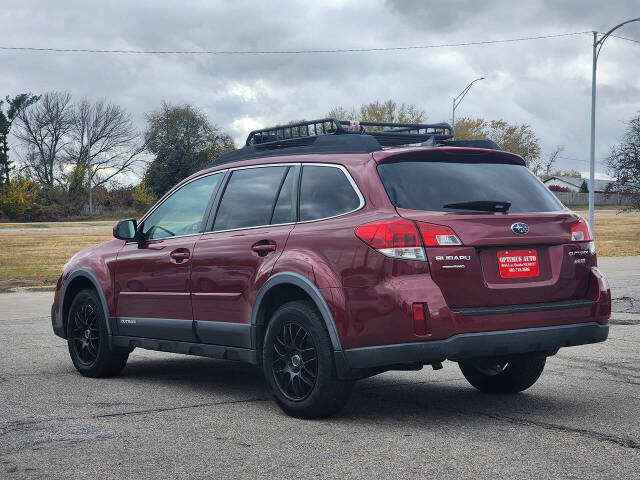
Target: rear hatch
column 515, row 235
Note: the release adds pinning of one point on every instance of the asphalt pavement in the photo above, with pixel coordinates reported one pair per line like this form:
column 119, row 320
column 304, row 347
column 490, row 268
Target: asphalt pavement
column 173, row 416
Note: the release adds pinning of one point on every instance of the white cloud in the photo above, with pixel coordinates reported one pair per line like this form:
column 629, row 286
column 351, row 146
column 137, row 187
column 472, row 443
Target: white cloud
column 545, row 83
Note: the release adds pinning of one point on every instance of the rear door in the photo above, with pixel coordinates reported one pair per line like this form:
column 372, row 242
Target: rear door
column 250, row 230
column 522, row 256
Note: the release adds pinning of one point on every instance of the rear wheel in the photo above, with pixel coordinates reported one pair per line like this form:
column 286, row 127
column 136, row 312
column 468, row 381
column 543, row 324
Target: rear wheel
column 503, row 376
column 87, row 338
column 297, row 359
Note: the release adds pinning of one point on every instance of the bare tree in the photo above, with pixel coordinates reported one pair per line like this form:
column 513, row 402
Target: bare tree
column 104, row 141
column 43, row 128
column 545, row 168
column 387, row 111
column 624, row 163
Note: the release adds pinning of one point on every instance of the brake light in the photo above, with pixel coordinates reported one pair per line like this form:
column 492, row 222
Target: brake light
column 437, row 235
column 393, row 238
column 581, row 232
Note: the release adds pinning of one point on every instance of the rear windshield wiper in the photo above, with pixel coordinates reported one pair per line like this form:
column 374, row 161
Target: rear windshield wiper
column 481, row 205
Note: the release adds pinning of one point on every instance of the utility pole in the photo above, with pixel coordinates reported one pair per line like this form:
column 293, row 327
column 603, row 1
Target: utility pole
column 457, row 100
column 592, row 152
column 597, row 47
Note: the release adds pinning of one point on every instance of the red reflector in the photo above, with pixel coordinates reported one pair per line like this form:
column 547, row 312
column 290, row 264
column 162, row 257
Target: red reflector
column 605, row 307
column 420, row 318
column 437, row 235
column 389, row 234
column 581, row 232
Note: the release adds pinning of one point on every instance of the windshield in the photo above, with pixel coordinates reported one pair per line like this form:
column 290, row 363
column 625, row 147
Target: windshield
column 447, row 186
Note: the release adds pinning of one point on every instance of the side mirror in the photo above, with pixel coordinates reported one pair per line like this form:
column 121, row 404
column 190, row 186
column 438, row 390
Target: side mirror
column 125, row 229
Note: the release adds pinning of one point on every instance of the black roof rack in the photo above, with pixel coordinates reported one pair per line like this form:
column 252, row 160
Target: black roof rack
column 330, row 135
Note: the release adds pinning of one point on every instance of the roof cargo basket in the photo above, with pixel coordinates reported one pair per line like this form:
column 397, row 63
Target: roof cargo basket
column 388, row 134
column 330, row 135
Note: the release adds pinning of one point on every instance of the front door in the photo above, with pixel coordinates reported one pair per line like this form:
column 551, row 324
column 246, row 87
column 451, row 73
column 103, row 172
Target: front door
column 249, row 233
column 153, row 275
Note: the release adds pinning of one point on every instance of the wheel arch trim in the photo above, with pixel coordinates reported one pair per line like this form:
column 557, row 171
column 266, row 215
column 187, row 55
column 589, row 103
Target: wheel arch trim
column 310, row 289
column 88, row 275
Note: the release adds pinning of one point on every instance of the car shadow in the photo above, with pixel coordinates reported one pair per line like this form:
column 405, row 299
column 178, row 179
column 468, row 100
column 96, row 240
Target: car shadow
column 396, row 396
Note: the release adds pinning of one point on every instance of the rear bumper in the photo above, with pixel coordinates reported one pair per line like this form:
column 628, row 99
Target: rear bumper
column 474, row 345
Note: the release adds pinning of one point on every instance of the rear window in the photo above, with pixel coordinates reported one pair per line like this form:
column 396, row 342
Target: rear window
column 420, row 185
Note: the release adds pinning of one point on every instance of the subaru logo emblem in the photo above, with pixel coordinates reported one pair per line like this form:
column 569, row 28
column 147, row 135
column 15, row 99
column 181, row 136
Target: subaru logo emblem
column 520, row 228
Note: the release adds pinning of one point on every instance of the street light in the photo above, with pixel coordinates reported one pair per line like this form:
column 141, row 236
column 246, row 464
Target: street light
column 597, row 46
column 457, row 100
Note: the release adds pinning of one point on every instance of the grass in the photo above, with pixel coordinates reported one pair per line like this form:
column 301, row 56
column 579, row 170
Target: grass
column 37, row 256
column 617, row 235
column 97, row 223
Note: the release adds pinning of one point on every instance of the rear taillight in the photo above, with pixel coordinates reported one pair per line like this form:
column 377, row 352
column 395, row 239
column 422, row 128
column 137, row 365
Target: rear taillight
column 393, row 238
column 580, row 232
column 400, row 238
column 437, row 235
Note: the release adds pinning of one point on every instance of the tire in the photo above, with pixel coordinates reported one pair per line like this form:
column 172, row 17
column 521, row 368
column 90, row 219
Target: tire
column 512, row 376
column 297, row 359
column 87, row 338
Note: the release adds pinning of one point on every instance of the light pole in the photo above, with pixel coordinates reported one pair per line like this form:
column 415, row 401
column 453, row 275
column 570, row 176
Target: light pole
column 597, row 46
column 457, row 100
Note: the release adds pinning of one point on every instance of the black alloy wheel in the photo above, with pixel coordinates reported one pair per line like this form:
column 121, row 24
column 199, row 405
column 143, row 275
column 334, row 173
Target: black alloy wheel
column 295, row 361
column 298, row 363
column 85, row 333
column 88, row 338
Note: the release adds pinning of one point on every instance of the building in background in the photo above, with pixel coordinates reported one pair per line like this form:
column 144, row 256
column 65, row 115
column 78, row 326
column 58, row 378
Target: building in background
column 573, row 184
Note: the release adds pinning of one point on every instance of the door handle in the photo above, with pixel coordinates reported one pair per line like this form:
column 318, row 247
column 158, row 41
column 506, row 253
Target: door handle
column 263, row 248
column 180, row 255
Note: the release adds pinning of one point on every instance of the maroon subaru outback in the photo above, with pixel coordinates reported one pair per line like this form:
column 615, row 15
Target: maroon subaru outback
column 330, row 251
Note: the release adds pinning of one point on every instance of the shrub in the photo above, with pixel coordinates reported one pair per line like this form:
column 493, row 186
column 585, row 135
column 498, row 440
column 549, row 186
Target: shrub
column 143, row 196
column 17, row 197
column 558, row 188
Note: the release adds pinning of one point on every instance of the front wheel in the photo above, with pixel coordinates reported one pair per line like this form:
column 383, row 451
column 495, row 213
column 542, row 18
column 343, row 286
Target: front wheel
column 297, row 359
column 87, row 338
column 502, row 375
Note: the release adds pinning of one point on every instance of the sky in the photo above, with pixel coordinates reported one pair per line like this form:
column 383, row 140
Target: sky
column 545, row 83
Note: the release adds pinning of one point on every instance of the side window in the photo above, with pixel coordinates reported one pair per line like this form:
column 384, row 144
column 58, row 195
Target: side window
column 282, row 210
column 325, row 192
column 182, row 212
column 249, row 198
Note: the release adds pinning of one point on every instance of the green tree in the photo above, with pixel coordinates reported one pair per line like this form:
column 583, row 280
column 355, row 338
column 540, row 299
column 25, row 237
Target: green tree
column 377, row 111
column 183, row 141
column 14, row 106
column 516, row 138
column 77, row 185
column 584, row 188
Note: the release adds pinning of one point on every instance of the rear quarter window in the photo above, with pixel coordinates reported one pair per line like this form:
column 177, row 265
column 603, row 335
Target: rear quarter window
column 424, row 185
column 325, row 192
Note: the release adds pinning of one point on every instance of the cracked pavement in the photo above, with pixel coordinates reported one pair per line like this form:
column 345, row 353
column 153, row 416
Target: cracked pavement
column 174, row 416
